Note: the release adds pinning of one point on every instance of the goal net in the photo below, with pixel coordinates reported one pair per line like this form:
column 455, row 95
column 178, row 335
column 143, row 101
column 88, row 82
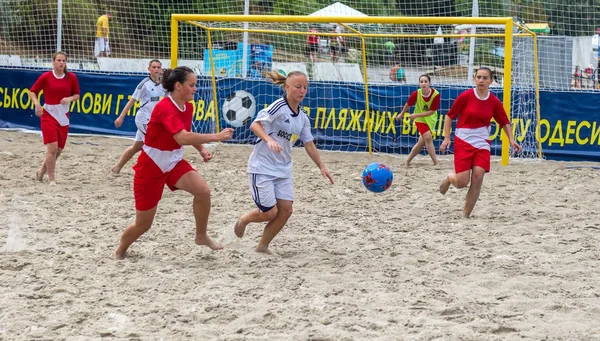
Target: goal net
column 362, row 71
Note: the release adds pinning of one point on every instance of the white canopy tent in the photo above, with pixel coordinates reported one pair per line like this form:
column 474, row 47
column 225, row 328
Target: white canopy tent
column 338, row 9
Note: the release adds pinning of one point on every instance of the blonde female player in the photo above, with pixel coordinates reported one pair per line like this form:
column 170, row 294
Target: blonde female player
column 426, row 101
column 161, row 161
column 475, row 109
column 148, row 92
column 60, row 88
column 270, row 164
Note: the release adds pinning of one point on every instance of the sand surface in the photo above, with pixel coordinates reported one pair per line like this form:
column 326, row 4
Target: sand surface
column 349, row 265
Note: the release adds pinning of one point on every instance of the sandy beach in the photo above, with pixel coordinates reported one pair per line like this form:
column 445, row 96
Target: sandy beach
column 349, row 265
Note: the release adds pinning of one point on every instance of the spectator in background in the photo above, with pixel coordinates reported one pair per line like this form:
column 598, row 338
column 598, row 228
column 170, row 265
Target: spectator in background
column 389, row 47
column 312, row 45
column 334, row 46
column 576, row 81
column 397, row 73
column 101, row 46
column 588, row 73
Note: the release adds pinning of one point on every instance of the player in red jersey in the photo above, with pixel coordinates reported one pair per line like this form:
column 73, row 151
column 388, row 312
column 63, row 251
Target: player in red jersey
column 161, row 160
column 60, row 88
column 475, row 108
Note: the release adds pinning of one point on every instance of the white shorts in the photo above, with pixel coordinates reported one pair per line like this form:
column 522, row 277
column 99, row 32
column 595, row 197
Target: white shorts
column 266, row 189
column 101, row 46
column 141, row 132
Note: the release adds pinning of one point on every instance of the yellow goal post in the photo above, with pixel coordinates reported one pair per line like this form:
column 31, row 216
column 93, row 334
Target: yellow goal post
column 353, row 29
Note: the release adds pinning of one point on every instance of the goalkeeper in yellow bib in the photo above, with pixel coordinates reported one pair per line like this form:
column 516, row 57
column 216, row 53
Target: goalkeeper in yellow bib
column 426, row 101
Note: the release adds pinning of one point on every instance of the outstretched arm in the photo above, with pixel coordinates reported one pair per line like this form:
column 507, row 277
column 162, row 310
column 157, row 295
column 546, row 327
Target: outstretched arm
column 119, row 120
column 257, row 128
column 447, row 129
column 404, row 110
column 511, row 139
column 423, row 114
column 312, row 151
column 185, row 137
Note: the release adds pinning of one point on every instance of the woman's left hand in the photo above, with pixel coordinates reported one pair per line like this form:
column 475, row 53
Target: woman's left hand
column 516, row 146
column 326, row 174
column 206, row 155
column 65, row 100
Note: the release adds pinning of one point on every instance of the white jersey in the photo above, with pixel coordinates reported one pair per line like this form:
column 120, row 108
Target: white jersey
column 281, row 123
column 148, row 93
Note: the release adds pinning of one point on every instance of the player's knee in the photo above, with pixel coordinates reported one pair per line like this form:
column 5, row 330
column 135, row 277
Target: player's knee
column 477, row 177
column 286, row 211
column 202, row 192
column 427, row 138
column 271, row 214
column 461, row 182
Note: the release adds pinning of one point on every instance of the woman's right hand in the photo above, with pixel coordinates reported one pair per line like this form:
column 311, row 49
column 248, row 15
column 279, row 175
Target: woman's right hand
column 39, row 111
column 119, row 122
column 445, row 144
column 274, row 146
column 226, row 134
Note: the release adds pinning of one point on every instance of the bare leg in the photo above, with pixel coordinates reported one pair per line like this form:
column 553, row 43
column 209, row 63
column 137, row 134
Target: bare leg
column 39, row 174
column 127, row 155
column 254, row 216
column 474, row 190
column 459, row 180
column 49, row 165
column 142, row 223
column 284, row 211
column 194, row 184
column 415, row 151
column 430, row 148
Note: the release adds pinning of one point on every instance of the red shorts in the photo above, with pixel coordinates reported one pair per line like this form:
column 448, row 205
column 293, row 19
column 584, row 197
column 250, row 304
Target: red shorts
column 148, row 187
column 422, row 127
column 52, row 131
column 466, row 157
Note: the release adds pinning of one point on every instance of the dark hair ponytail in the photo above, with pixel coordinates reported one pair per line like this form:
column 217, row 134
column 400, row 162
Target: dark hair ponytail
column 176, row 75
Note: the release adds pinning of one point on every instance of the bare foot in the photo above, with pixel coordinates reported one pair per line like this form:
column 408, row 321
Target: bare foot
column 39, row 176
column 52, row 183
column 115, row 170
column 209, row 242
column 239, row 229
column 265, row 250
column 406, row 163
column 119, row 255
column 445, row 185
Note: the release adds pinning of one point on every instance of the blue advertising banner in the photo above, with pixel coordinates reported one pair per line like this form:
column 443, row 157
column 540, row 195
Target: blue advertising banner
column 337, row 112
column 227, row 62
column 261, row 59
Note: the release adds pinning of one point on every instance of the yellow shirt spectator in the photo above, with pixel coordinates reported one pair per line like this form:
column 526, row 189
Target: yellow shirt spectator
column 102, row 26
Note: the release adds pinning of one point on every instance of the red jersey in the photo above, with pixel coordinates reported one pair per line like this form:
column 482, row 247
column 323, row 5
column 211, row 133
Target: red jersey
column 473, row 126
column 313, row 39
column 435, row 105
column 160, row 147
column 55, row 89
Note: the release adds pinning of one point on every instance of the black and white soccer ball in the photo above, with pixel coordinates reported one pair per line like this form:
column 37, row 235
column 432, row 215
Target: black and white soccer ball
column 239, row 108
